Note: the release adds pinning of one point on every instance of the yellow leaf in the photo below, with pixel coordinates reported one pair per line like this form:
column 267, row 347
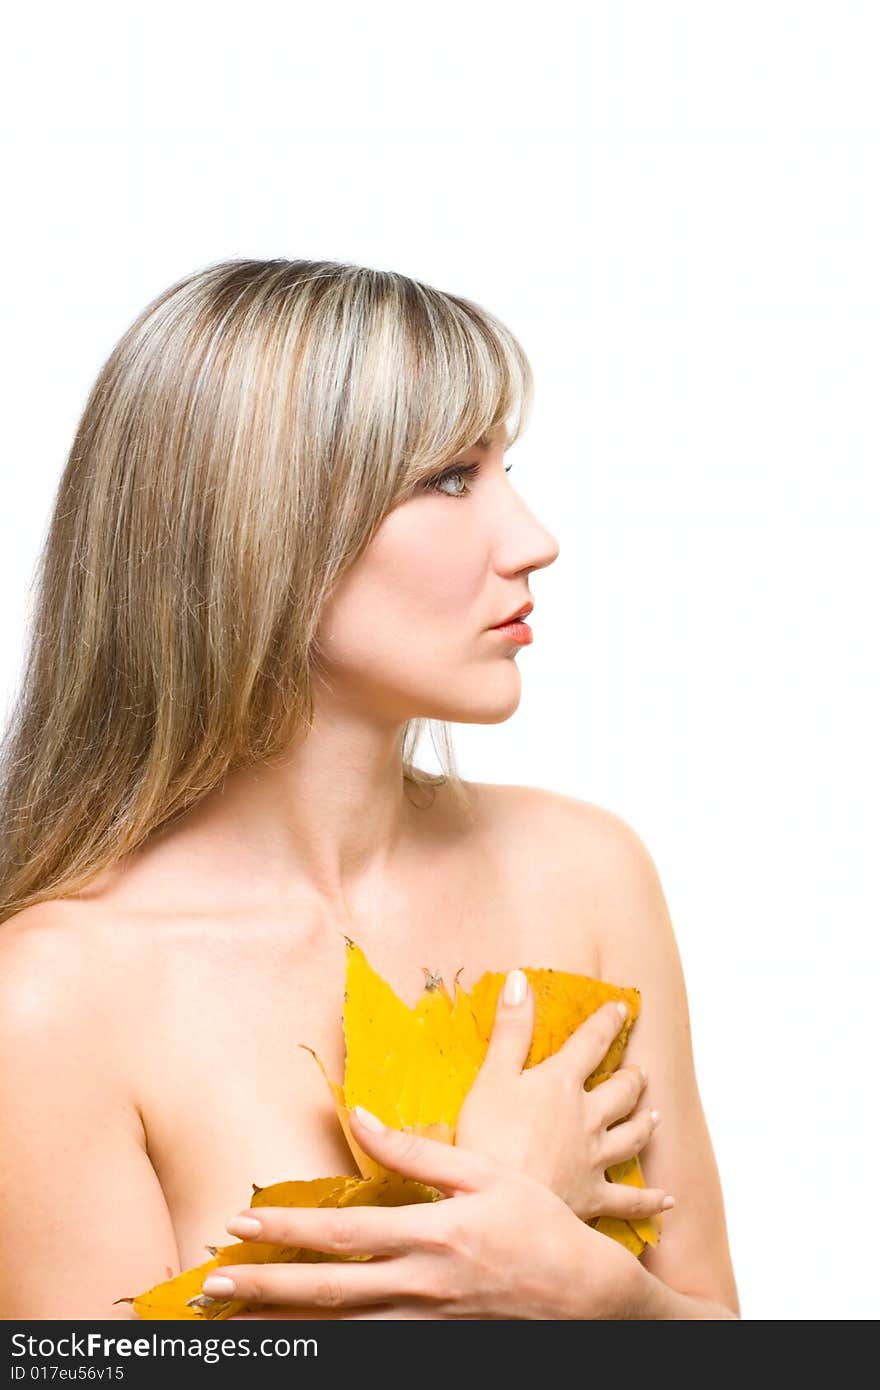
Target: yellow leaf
column 562, row 1003
column 412, row 1067
column 620, row 1230
column 171, row 1299
column 182, row 1298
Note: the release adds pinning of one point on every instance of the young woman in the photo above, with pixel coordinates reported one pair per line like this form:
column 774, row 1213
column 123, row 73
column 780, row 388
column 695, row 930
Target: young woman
column 285, row 538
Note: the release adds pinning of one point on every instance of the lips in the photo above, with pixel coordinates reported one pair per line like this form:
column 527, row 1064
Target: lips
column 517, row 616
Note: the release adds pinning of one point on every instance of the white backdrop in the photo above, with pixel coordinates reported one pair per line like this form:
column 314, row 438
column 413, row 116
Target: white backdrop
column 675, row 207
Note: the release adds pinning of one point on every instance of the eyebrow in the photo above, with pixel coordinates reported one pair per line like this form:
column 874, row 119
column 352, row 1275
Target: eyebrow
column 484, row 442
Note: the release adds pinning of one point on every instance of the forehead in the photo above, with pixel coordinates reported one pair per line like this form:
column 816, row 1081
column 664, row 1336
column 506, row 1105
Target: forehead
column 493, row 439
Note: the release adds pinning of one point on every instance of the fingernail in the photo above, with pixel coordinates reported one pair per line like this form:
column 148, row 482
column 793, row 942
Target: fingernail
column 622, row 1009
column 368, row 1119
column 244, row 1226
column 668, row 1202
column 216, row 1284
column 655, row 1116
column 515, row 987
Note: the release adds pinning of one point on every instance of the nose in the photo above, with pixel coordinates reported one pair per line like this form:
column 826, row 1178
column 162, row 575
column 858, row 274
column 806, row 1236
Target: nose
column 524, row 544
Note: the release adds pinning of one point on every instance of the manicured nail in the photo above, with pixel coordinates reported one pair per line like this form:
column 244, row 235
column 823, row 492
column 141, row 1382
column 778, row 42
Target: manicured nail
column 368, row 1119
column 515, row 987
column 655, row 1116
column 217, row 1284
column 245, row 1226
column 622, row 1009
column 668, row 1202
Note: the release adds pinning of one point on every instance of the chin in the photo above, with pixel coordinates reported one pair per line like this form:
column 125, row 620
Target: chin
column 498, row 717
column 482, row 708
column 487, row 695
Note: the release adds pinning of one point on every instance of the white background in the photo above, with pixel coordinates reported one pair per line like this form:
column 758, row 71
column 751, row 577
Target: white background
column 675, row 207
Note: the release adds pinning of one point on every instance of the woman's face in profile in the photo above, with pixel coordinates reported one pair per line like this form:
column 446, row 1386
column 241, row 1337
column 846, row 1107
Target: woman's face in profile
column 408, row 631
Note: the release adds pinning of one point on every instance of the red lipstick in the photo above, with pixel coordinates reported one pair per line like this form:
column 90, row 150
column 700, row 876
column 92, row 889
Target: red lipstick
column 515, row 628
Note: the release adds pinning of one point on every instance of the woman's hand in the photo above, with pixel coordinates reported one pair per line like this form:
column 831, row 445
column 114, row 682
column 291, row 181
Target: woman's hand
column 499, row 1245
column 544, row 1123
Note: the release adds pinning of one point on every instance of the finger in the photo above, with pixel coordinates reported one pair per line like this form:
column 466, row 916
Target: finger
column 301, row 1313
column 626, row 1140
column 329, row 1284
column 512, row 1027
column 620, row 1199
column 369, row 1312
column 392, row 1310
column 440, row 1165
column 340, row 1230
column 297, row 1312
column 584, row 1049
column 617, row 1096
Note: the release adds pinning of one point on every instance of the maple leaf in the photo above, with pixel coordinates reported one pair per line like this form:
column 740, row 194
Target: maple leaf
column 413, row 1068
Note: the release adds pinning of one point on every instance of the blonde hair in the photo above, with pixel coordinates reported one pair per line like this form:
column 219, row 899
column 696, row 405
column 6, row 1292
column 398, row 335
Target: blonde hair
column 237, row 452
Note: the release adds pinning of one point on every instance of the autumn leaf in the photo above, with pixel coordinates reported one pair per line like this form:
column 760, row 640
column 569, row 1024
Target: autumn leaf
column 182, row 1298
column 413, row 1068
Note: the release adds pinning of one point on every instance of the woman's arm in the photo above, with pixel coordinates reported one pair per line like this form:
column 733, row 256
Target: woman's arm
column 638, row 947
column 83, row 1216
column 653, row 1299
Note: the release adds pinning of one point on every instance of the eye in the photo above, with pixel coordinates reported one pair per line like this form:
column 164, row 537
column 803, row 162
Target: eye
column 461, row 470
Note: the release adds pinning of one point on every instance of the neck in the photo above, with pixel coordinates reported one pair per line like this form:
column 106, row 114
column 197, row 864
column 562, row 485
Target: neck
column 331, row 815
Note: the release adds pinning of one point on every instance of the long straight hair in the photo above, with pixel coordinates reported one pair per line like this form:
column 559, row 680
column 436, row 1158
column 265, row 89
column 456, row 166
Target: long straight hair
column 237, row 452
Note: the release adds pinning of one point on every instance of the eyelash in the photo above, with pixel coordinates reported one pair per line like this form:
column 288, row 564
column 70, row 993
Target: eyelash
column 469, row 470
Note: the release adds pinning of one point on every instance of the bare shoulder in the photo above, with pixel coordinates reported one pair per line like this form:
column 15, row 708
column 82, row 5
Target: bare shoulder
column 61, row 981
column 41, row 962
column 516, row 798
column 575, row 831
column 566, row 859
column 611, row 872
column 44, row 951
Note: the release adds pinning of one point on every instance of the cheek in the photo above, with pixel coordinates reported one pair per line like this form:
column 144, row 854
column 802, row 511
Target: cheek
column 415, row 600
column 427, row 566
